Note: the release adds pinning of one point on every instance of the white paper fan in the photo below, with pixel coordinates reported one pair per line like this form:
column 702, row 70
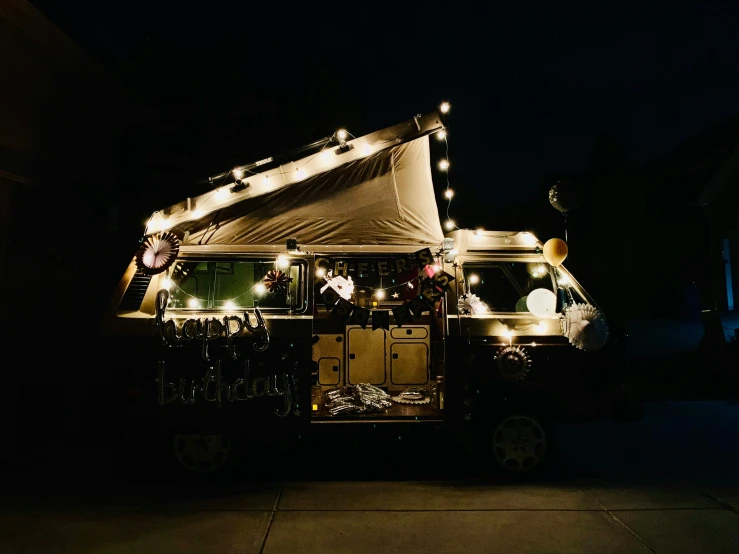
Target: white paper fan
column 157, row 253
column 587, row 328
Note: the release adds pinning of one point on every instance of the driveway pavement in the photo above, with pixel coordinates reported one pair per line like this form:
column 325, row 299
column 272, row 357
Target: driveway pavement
column 668, row 484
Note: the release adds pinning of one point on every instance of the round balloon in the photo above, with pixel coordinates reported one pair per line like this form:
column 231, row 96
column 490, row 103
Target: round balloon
column 564, row 195
column 542, row 303
column 555, row 251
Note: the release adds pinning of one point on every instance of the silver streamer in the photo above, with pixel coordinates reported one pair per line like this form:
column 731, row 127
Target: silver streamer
column 357, row 399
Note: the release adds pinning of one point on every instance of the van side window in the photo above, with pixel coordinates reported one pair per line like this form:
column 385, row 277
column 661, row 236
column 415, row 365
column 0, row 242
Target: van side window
column 503, row 286
column 232, row 285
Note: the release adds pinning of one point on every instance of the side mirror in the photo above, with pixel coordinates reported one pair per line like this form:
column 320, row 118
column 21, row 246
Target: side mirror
column 561, row 300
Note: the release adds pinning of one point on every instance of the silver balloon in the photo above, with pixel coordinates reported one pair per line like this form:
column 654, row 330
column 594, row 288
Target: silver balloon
column 259, row 330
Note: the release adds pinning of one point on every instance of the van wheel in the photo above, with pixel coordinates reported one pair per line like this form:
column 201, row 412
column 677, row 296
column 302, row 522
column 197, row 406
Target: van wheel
column 201, row 453
column 520, row 443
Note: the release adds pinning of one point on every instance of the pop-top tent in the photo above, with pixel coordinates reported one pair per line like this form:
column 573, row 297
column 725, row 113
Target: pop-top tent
column 373, row 190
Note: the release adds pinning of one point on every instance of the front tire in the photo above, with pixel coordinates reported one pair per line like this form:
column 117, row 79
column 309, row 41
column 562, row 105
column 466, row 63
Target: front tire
column 518, row 444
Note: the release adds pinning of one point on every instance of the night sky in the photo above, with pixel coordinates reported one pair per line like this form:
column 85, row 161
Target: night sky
column 532, row 87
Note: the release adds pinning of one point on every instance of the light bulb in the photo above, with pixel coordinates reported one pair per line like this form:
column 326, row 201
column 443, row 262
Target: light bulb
column 221, row 193
column 193, row 303
column 282, row 261
column 444, row 107
column 449, row 193
column 563, row 280
column 528, row 239
column 474, row 279
column 449, row 224
column 410, row 284
column 507, row 333
column 260, row 289
column 341, row 134
column 444, row 165
column 320, row 272
column 166, row 283
column 238, row 173
column 380, row 294
column 436, row 268
column 441, row 135
column 541, row 327
column 229, row 305
column 197, row 214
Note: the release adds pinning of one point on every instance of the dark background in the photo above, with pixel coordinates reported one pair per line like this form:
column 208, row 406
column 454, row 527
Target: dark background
column 170, row 95
column 535, row 88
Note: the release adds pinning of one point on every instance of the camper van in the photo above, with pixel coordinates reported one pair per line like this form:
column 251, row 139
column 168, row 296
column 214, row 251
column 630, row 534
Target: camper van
column 319, row 292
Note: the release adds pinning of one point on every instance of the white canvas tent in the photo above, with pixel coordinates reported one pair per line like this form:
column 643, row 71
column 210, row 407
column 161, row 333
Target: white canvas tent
column 379, row 192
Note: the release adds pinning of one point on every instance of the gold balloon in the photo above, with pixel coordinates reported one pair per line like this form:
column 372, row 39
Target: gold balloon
column 555, row 251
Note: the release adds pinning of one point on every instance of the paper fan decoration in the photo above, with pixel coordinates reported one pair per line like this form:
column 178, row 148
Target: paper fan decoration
column 586, row 327
column 470, row 304
column 513, row 363
column 157, row 253
column 276, row 281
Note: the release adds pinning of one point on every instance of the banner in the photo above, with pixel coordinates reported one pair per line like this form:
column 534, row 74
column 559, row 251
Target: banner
column 432, row 288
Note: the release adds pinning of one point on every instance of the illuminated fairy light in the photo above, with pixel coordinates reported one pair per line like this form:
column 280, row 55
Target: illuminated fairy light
column 533, row 344
column 197, row 214
column 474, row 279
column 445, row 107
column 441, row 135
column 528, row 239
column 166, row 283
column 507, row 333
column 230, row 305
column 410, row 284
column 341, row 134
column 564, row 280
column 238, row 173
column 541, row 327
column 282, row 261
column 259, row 289
column 221, row 193
column 449, row 224
column 436, row 268
column 449, row 193
column 380, row 294
column 320, row 272
column 444, row 165
column 193, row 303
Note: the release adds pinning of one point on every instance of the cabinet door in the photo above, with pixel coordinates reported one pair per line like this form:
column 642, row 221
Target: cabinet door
column 328, row 371
column 409, row 363
column 366, row 356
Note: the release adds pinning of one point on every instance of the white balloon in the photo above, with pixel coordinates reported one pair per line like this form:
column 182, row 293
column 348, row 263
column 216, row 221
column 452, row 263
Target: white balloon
column 542, row 303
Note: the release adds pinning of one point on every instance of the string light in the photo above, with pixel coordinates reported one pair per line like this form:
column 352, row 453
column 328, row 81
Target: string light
column 193, row 303
column 197, row 214
column 441, row 135
column 444, row 165
column 320, row 272
column 259, row 289
column 221, row 193
column 474, row 279
column 341, row 134
column 380, row 294
column 238, row 173
column 282, row 261
column 445, row 107
column 449, row 193
column 230, row 305
column 479, row 231
column 449, row 224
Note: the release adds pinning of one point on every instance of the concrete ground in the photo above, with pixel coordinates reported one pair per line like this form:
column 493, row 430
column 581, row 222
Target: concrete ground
column 668, row 483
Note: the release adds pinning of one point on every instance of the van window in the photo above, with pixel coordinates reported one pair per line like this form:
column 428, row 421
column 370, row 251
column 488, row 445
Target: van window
column 503, row 286
column 234, row 284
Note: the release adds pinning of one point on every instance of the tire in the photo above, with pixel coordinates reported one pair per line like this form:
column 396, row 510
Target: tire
column 201, row 453
column 518, row 443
